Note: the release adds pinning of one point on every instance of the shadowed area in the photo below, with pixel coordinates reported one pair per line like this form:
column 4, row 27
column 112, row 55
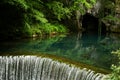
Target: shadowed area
column 11, row 20
column 91, row 24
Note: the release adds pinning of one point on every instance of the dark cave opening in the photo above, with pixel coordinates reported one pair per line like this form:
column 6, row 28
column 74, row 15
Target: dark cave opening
column 94, row 29
column 90, row 23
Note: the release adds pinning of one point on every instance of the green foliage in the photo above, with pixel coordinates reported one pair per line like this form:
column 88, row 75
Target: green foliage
column 18, row 3
column 117, row 53
column 38, row 16
column 107, row 8
column 33, row 18
column 62, row 11
column 115, row 75
column 116, row 68
column 50, row 28
column 59, row 10
column 109, row 4
column 83, row 5
column 30, row 30
column 92, row 2
column 111, row 18
column 79, row 6
column 108, row 12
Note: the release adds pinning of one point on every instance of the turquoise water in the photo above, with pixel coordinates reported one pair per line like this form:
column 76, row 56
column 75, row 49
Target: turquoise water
column 86, row 48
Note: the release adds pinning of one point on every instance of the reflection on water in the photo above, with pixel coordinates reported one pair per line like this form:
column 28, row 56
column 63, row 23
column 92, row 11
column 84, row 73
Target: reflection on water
column 90, row 49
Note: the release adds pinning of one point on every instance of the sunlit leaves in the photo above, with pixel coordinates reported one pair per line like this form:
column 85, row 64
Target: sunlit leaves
column 59, row 10
column 53, row 28
column 18, row 3
column 62, row 11
column 93, row 1
column 117, row 53
column 39, row 16
column 83, row 5
column 111, row 18
column 115, row 75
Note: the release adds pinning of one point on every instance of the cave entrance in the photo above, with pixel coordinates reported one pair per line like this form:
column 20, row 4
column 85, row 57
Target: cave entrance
column 90, row 23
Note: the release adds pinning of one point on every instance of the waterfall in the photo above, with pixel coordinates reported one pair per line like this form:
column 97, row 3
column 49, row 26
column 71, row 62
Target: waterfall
column 38, row 68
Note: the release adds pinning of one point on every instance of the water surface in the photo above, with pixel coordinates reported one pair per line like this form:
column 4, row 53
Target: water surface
column 86, row 48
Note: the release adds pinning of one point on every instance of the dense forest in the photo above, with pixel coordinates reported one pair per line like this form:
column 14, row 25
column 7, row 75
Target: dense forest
column 28, row 18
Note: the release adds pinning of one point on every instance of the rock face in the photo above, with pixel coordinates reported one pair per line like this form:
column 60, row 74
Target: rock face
column 96, row 8
column 116, row 26
column 117, row 7
column 113, row 25
column 99, row 11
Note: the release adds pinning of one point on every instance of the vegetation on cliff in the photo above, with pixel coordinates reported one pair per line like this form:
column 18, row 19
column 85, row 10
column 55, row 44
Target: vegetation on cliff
column 115, row 75
column 27, row 17
column 111, row 15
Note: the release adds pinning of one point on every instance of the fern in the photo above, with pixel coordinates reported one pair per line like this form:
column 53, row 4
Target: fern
column 39, row 16
column 111, row 18
column 93, row 2
column 59, row 10
column 115, row 74
column 18, row 3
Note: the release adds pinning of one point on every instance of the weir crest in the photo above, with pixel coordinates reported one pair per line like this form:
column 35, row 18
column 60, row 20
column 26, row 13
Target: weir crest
column 38, row 68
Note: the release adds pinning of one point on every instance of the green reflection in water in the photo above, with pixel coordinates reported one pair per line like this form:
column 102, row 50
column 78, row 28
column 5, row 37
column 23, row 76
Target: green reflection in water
column 89, row 49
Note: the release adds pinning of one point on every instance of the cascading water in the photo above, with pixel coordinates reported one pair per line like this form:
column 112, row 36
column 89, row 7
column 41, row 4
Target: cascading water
column 37, row 68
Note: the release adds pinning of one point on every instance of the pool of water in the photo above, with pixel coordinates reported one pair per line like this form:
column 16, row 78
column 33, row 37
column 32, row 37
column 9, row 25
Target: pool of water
column 86, row 48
